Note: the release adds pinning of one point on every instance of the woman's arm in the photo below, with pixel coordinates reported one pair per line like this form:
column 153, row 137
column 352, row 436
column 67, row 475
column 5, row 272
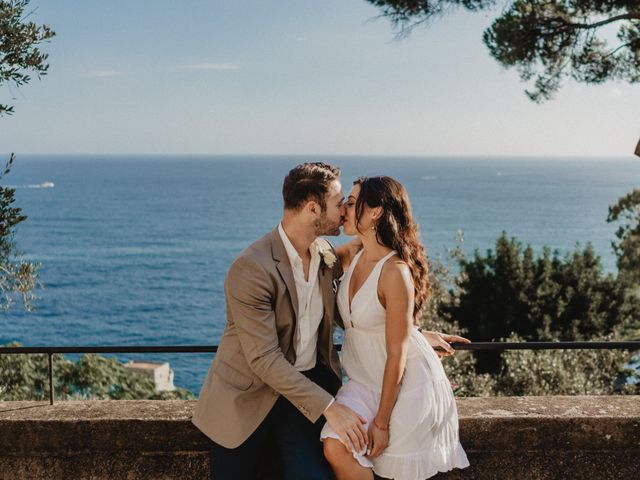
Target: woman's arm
column 396, row 288
column 347, row 251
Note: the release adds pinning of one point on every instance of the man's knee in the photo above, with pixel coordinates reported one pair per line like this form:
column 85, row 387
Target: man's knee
column 320, row 471
column 309, row 464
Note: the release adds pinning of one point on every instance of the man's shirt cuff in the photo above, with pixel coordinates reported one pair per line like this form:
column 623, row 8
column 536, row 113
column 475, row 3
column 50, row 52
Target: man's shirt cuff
column 330, row 403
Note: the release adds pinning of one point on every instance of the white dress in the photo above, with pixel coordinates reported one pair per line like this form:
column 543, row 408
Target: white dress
column 424, row 422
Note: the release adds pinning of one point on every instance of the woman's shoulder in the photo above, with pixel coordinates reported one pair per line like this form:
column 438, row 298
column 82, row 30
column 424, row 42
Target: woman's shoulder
column 395, row 271
column 395, row 282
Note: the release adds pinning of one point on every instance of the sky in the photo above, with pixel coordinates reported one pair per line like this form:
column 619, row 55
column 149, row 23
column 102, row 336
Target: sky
column 292, row 77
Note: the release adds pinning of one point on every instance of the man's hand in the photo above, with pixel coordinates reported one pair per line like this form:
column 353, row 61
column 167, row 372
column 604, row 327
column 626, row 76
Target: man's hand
column 348, row 425
column 440, row 342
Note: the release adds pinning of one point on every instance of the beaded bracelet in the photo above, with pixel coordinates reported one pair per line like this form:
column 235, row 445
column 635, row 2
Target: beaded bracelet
column 384, row 429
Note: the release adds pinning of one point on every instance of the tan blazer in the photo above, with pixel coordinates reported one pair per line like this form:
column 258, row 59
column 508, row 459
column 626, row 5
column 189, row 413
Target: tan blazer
column 254, row 362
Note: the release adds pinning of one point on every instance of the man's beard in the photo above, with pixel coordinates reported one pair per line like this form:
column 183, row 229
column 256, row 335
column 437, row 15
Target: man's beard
column 324, row 226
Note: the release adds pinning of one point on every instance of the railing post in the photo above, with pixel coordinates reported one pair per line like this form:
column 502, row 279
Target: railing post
column 51, row 391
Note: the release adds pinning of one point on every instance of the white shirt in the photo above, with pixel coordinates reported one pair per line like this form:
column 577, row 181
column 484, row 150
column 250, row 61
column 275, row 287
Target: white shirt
column 310, row 306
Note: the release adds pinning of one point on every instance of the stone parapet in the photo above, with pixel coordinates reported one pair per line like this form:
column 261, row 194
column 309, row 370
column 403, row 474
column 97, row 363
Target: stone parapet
column 553, row 437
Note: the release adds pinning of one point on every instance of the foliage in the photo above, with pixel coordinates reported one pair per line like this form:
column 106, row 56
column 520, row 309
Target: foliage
column 545, row 40
column 545, row 372
column 17, row 276
column 19, row 55
column 543, row 298
column 627, row 248
column 493, row 290
column 19, row 40
column 564, row 372
column 93, row 377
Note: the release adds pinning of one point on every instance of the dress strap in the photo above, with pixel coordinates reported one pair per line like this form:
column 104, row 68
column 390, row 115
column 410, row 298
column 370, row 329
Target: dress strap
column 378, row 268
column 387, row 256
column 384, row 259
column 357, row 256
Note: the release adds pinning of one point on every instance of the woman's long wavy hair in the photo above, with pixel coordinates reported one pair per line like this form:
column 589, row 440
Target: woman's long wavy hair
column 396, row 229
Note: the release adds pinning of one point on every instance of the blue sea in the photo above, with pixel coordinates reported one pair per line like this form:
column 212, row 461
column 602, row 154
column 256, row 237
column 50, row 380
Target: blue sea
column 134, row 249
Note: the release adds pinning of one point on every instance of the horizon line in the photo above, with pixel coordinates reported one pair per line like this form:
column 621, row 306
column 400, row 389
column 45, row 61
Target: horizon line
column 324, row 155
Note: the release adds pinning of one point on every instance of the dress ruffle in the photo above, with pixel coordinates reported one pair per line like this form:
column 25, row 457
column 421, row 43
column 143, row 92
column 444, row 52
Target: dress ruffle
column 412, row 467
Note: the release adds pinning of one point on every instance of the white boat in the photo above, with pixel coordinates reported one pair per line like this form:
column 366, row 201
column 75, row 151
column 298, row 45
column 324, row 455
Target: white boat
column 47, row 185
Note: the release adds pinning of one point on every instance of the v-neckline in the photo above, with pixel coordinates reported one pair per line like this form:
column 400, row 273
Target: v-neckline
column 355, row 262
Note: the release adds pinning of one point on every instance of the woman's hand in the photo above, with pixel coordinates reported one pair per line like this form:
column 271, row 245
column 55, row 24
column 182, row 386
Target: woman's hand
column 440, row 342
column 378, row 440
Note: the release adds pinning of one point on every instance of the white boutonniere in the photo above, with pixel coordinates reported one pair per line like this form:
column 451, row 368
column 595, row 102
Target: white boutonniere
column 326, row 253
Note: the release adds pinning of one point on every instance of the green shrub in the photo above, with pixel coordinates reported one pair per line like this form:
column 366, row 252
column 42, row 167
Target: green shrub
column 93, row 377
column 512, row 295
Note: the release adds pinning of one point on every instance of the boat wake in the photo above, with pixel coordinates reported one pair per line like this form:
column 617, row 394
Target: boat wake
column 38, row 185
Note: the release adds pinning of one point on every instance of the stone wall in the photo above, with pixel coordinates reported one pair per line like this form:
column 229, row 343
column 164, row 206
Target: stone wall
column 505, row 437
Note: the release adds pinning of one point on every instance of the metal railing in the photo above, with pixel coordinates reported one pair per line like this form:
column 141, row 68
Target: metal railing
column 480, row 346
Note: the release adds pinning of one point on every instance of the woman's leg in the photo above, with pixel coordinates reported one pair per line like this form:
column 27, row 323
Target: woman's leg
column 342, row 462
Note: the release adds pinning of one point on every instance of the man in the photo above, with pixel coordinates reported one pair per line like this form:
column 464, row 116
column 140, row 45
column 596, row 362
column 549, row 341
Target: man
column 273, row 379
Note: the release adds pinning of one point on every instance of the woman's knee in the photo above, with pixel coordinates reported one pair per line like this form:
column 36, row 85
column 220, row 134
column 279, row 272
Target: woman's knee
column 334, row 451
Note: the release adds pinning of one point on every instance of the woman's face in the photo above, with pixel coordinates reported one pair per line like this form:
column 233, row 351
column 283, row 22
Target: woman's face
column 349, row 225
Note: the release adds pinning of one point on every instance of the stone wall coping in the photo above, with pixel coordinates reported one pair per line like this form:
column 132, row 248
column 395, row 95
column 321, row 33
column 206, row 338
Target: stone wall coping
column 567, row 406
column 501, row 424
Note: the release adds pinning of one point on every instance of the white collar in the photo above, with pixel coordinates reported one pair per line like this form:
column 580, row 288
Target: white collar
column 292, row 253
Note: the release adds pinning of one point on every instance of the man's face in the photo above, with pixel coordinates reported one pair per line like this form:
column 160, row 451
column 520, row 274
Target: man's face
column 332, row 217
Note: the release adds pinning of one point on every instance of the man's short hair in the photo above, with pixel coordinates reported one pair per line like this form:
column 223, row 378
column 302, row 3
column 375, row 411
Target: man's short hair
column 306, row 182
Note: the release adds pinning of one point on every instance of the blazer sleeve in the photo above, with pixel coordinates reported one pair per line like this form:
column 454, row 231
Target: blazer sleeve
column 249, row 292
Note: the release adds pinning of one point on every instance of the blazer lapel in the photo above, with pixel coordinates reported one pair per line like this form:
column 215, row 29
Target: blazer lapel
column 279, row 254
column 325, row 278
column 325, row 330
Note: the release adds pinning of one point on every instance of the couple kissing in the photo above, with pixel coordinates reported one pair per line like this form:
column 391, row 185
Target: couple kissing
column 276, row 381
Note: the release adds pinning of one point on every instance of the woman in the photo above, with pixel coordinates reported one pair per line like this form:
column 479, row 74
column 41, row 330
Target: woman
column 396, row 380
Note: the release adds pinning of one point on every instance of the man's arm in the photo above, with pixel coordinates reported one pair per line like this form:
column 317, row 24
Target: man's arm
column 440, row 342
column 249, row 297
